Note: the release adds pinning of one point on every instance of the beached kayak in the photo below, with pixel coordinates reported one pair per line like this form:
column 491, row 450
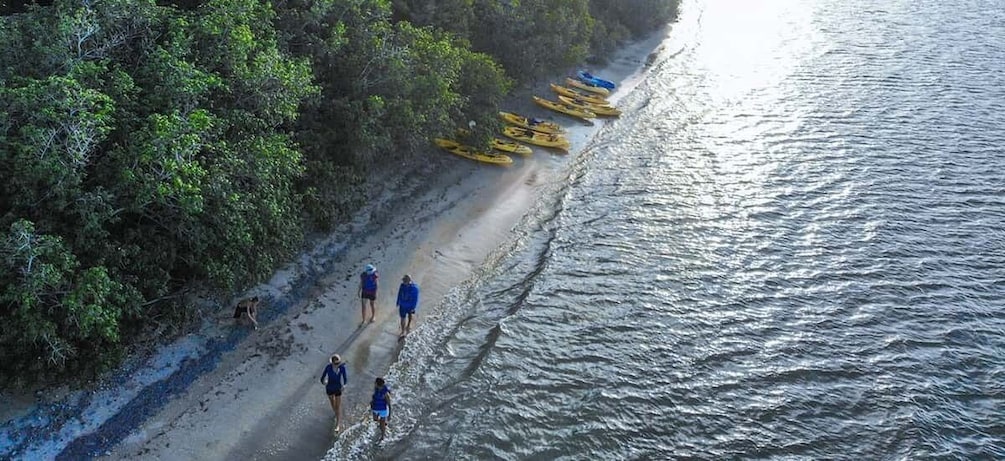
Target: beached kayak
column 510, row 146
column 532, row 123
column 591, row 98
column 599, row 109
column 564, row 108
column 536, row 138
column 591, row 79
column 582, row 86
column 469, row 152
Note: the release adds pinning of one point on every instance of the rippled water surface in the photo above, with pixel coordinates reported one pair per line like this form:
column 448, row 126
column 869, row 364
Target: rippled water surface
column 791, row 245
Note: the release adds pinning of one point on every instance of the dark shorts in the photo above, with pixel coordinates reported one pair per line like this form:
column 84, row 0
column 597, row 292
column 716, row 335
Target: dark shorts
column 371, row 295
column 403, row 312
column 239, row 311
column 335, row 392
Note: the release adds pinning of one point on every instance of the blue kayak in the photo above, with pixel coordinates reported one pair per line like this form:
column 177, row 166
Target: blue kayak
column 591, row 79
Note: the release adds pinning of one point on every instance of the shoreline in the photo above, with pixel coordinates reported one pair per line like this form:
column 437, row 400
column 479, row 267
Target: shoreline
column 225, row 392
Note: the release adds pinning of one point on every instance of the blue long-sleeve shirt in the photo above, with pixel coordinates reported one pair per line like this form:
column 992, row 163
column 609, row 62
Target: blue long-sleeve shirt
column 408, row 296
column 336, row 378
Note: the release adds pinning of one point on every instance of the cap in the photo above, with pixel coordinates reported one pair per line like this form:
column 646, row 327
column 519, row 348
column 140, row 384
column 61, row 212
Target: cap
column 370, row 269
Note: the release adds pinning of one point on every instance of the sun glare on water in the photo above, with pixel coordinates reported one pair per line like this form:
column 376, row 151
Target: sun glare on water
column 748, row 44
column 745, row 51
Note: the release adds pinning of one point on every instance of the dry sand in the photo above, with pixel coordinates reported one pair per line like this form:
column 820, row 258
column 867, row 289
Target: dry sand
column 262, row 399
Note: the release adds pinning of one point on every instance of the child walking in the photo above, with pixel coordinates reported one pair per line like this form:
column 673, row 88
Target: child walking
column 380, row 404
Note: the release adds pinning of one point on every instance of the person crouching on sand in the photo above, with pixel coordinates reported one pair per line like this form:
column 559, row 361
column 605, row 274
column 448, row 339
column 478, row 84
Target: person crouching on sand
column 408, row 301
column 380, row 404
column 247, row 309
column 368, row 291
column 335, row 377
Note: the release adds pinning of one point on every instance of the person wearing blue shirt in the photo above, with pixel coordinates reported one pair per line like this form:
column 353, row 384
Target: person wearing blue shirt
column 335, row 377
column 408, row 301
column 380, row 404
column 368, row 291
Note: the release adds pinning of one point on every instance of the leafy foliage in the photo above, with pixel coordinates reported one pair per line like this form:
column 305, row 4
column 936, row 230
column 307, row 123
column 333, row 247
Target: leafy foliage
column 385, row 88
column 55, row 311
column 528, row 38
column 620, row 21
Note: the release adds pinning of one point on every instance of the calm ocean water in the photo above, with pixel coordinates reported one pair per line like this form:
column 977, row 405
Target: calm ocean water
column 792, row 245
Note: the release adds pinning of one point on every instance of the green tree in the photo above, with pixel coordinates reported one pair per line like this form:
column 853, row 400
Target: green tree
column 455, row 16
column 617, row 22
column 531, row 38
column 385, row 89
column 52, row 130
column 54, row 311
column 207, row 180
column 144, row 150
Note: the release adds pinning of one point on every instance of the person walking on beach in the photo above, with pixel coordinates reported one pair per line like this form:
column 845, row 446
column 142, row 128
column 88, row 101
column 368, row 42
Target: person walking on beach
column 368, row 291
column 408, row 301
column 380, row 404
column 335, row 377
column 247, row 309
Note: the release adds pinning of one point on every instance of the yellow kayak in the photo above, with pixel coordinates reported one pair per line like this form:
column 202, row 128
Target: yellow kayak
column 532, row 123
column 534, row 137
column 510, row 146
column 582, row 86
column 598, row 109
column 469, row 152
column 564, row 108
column 590, row 98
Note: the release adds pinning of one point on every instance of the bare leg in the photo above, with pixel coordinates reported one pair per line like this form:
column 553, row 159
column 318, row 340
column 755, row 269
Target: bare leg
column 334, row 403
column 401, row 327
column 408, row 327
column 337, row 406
column 383, row 428
column 362, row 306
column 373, row 310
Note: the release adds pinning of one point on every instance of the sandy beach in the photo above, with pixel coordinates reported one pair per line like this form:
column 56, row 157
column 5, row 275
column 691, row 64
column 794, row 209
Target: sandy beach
column 226, row 392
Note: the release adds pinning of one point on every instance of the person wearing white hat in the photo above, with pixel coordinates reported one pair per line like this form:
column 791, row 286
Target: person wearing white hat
column 368, row 291
column 335, row 377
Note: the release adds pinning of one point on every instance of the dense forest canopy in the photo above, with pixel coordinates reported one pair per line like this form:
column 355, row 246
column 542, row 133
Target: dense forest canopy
column 149, row 148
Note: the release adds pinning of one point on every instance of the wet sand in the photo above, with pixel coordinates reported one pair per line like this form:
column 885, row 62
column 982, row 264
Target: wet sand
column 260, row 398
